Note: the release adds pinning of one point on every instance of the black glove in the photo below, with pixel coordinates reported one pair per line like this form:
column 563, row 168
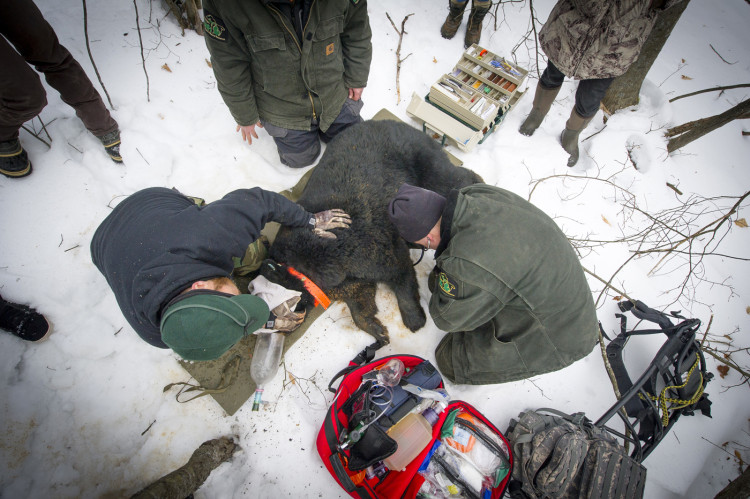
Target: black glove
column 331, row 219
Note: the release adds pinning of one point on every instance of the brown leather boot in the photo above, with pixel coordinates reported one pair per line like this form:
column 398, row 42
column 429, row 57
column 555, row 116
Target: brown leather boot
column 543, row 99
column 474, row 28
column 453, row 21
column 569, row 136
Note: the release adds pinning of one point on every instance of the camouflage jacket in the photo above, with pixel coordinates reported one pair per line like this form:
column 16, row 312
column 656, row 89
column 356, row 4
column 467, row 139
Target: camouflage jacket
column 587, row 39
column 263, row 70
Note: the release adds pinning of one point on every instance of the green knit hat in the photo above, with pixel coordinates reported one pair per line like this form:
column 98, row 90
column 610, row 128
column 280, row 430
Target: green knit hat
column 203, row 325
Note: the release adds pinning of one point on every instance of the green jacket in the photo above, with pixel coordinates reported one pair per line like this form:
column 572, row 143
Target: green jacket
column 511, row 289
column 264, row 72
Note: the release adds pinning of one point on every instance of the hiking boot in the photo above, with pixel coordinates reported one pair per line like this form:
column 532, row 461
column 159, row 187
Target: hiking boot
column 14, row 162
column 111, row 143
column 474, row 28
column 453, row 21
column 543, row 99
column 23, row 321
column 569, row 136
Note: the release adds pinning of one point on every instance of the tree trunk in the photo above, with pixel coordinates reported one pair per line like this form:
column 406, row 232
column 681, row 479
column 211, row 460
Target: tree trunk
column 182, row 482
column 684, row 134
column 739, row 488
column 625, row 88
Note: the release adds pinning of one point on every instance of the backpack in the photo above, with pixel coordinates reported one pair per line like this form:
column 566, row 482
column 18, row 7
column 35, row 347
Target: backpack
column 567, row 456
column 355, row 449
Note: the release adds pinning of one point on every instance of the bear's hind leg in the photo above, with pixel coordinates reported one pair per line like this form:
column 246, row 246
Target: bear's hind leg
column 360, row 297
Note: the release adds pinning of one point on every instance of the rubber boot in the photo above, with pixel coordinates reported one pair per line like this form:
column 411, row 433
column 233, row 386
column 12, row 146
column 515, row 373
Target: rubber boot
column 453, row 21
column 543, row 99
column 14, row 162
column 569, row 137
column 474, row 28
column 111, row 143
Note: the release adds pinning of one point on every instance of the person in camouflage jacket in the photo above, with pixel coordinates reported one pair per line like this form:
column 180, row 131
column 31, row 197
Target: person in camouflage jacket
column 507, row 285
column 296, row 68
column 593, row 41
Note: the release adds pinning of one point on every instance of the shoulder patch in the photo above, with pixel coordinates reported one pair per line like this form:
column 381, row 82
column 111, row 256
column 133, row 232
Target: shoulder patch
column 214, row 27
column 446, row 285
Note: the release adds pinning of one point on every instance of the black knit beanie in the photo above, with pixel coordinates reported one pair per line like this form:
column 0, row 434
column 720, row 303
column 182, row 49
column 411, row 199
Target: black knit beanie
column 415, row 211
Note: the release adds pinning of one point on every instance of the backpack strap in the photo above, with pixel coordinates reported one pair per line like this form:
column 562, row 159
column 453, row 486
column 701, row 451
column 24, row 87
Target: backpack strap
column 362, row 358
column 679, row 355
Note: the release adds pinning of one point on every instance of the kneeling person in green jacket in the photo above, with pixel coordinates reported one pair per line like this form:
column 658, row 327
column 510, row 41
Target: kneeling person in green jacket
column 507, row 285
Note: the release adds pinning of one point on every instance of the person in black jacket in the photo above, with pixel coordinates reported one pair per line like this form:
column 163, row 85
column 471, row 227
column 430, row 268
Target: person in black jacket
column 168, row 261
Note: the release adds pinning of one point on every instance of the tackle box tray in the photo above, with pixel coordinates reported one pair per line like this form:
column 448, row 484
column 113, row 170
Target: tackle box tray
column 472, row 99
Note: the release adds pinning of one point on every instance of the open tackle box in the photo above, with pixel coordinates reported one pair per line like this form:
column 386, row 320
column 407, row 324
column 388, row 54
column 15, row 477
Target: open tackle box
column 467, row 104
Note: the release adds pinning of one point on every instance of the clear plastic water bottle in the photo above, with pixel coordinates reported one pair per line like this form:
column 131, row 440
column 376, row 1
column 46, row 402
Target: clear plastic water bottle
column 265, row 363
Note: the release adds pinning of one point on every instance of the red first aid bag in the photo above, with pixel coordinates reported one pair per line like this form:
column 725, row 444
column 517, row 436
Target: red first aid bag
column 460, row 452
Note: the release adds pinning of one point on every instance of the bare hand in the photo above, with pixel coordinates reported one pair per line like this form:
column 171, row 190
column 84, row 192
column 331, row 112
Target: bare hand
column 355, row 93
column 248, row 132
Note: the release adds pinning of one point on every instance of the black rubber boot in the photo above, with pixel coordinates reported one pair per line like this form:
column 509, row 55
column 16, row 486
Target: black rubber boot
column 14, row 162
column 111, row 143
column 543, row 99
column 23, row 321
column 474, row 28
column 569, row 137
column 453, row 21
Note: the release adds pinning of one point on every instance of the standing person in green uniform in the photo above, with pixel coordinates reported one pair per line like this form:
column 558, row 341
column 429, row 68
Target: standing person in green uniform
column 507, row 285
column 294, row 67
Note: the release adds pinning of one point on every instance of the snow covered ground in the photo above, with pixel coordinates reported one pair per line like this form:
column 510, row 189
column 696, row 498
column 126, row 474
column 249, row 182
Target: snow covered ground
column 83, row 414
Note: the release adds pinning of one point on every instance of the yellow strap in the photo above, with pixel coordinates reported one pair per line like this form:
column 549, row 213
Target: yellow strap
column 662, row 399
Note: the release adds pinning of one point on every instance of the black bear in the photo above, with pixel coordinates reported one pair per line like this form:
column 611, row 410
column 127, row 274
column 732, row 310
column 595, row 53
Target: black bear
column 360, row 172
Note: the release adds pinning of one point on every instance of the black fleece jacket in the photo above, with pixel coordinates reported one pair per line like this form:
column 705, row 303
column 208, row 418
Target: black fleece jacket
column 157, row 242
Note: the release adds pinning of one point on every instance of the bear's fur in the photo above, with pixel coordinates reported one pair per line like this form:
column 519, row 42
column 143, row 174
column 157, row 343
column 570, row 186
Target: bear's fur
column 360, row 172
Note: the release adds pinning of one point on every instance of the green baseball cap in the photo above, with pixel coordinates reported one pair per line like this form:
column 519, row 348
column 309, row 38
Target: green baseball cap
column 202, row 325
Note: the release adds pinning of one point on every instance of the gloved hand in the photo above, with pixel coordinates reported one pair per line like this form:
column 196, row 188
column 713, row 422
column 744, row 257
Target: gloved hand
column 331, row 219
column 285, row 319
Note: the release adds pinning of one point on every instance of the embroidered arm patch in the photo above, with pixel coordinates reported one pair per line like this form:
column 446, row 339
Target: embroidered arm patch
column 215, row 28
column 446, row 285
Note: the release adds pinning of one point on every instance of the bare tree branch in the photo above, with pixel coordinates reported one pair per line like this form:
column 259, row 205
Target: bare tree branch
column 399, row 60
column 140, row 41
column 91, row 57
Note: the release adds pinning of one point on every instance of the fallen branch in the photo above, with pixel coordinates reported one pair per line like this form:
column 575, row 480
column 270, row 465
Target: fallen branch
column 140, row 41
column 398, row 53
column 684, row 134
column 91, row 57
column 720, row 57
column 182, row 482
column 714, row 89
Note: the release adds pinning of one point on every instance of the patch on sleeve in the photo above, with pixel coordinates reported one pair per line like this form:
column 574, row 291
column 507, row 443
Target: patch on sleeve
column 215, row 28
column 329, row 49
column 446, row 285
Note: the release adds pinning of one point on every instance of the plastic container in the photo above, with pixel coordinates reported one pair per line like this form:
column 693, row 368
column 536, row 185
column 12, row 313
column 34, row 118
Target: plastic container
column 412, row 434
column 265, row 363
